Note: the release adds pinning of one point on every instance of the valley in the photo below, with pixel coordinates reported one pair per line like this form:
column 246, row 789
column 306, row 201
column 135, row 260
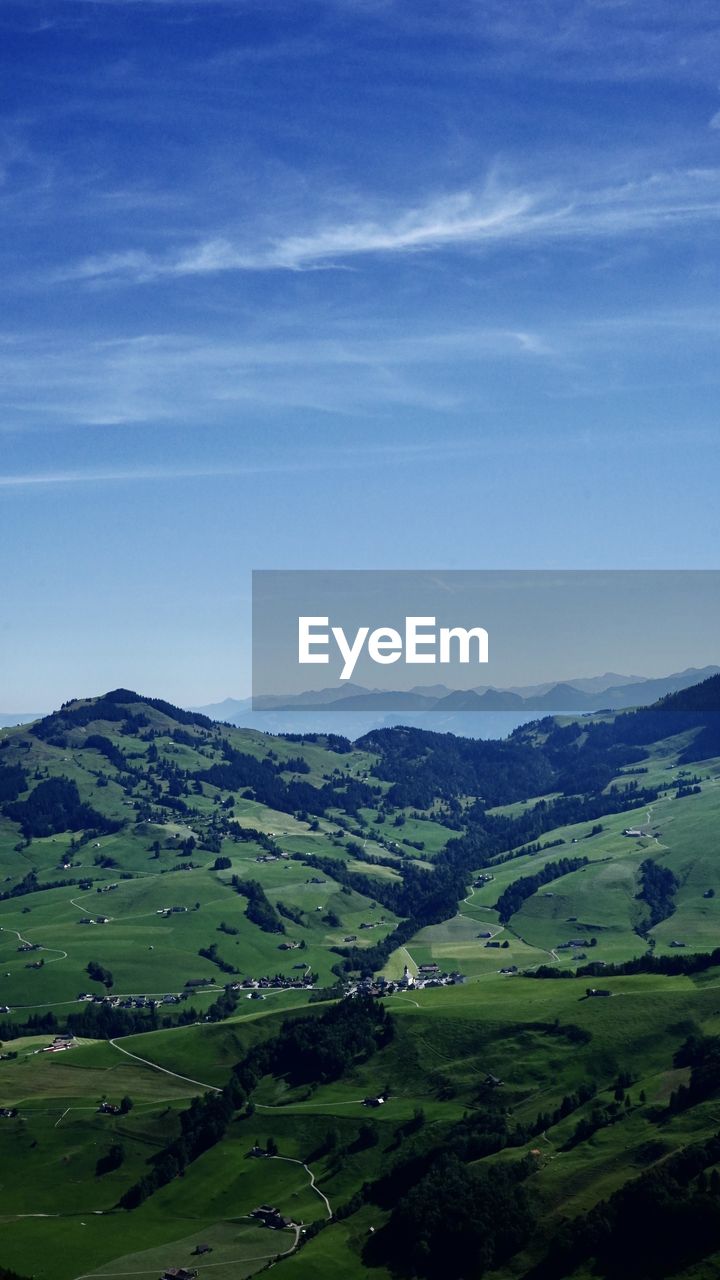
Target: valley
column 199, row 911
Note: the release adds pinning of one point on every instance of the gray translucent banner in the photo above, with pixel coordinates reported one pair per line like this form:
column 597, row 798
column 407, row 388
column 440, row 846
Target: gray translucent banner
column 540, row 642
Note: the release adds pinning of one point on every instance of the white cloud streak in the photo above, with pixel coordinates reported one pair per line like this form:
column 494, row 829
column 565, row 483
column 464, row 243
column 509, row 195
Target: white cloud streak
column 39, row 479
column 460, row 220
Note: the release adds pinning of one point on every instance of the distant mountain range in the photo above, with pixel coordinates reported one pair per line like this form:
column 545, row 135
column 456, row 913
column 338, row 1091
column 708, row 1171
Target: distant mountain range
column 479, row 712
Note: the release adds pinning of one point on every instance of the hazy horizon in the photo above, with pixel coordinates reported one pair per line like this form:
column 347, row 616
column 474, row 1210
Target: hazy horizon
column 201, row 703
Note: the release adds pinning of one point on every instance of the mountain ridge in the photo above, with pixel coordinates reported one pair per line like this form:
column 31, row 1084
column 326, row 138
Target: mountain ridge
column 277, row 711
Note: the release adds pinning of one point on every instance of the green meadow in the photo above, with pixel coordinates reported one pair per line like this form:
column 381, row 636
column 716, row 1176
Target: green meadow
column 158, row 890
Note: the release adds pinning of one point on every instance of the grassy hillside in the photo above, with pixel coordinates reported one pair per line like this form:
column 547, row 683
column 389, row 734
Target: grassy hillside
column 134, row 837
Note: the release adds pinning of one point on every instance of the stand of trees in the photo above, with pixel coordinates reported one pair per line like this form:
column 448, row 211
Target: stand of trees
column 657, row 887
column 332, row 741
column 319, row 1050
column 291, row 913
column 54, row 805
column 211, row 953
column 112, row 1160
column 201, row 1127
column 30, row 884
column 96, row 971
column 702, row 1055
column 306, row 1050
column 263, row 780
column 423, row 767
column 516, row 893
column 225, row 1005
column 13, row 780
column 654, row 1226
column 456, row 1221
column 259, row 908
column 107, row 748
column 692, row 962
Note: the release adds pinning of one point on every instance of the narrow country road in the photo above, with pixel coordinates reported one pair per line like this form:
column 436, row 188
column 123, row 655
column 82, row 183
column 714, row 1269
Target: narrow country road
column 61, row 955
column 311, row 1175
column 165, row 1070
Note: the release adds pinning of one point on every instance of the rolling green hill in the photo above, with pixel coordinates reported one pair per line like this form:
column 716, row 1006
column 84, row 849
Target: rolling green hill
column 202, row 909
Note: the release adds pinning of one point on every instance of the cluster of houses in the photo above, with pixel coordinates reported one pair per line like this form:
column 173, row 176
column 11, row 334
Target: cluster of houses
column 96, row 920
column 106, row 888
column 277, row 983
column 170, row 911
column 272, row 857
column 253, row 986
column 429, row 975
column 131, row 1002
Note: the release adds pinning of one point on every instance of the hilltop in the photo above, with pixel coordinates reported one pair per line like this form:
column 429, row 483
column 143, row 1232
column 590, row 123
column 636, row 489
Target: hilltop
column 131, row 796
column 173, row 888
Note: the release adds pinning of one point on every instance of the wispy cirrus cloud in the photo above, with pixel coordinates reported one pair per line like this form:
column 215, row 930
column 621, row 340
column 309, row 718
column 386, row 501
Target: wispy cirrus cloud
column 185, row 379
column 402, row 452
column 347, row 458
column 462, row 219
column 179, row 378
column 122, row 475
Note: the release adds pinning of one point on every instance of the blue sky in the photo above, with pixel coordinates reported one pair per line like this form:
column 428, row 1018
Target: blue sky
column 342, row 283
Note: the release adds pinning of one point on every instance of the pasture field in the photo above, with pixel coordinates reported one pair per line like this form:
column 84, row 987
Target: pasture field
column 180, row 808
column 432, row 835
column 445, row 1043
column 601, row 899
column 151, row 954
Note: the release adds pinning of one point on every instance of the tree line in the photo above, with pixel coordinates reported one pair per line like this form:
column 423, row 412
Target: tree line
column 512, row 898
column 305, row 1050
